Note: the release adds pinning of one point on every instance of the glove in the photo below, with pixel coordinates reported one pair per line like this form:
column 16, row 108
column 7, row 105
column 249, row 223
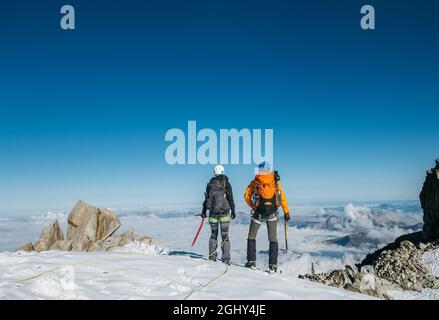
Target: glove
column 203, row 215
column 287, row 216
column 233, row 215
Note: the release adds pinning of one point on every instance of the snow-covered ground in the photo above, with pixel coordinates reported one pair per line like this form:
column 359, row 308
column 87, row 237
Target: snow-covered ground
column 139, row 272
column 135, row 275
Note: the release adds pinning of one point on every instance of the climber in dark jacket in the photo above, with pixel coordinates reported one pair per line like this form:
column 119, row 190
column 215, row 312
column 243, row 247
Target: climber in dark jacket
column 219, row 201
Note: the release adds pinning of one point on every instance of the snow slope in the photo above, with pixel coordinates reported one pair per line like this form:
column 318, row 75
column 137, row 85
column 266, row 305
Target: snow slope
column 133, row 274
column 141, row 273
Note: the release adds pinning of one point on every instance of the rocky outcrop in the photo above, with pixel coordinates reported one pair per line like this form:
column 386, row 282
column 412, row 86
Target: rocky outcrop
column 89, row 224
column 350, row 279
column 404, row 267
column 62, row 245
column 49, row 237
column 89, row 229
column 400, row 262
column 398, row 266
column 82, row 223
column 116, row 241
column 28, row 247
column 108, row 223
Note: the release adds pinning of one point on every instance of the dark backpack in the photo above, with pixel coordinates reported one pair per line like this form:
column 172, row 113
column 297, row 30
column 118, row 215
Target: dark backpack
column 216, row 196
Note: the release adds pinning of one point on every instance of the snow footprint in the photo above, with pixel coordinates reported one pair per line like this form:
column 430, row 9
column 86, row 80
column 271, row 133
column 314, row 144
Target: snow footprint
column 143, row 291
column 162, row 282
column 54, row 288
column 182, row 274
column 202, row 267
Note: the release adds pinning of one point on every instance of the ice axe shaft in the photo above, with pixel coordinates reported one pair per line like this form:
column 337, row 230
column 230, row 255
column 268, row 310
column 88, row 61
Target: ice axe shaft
column 198, row 231
column 286, row 235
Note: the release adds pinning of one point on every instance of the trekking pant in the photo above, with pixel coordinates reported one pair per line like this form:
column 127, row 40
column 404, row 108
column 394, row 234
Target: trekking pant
column 255, row 224
column 219, row 223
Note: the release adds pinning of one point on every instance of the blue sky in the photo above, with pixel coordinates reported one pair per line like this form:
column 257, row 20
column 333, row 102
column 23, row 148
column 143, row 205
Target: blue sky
column 83, row 113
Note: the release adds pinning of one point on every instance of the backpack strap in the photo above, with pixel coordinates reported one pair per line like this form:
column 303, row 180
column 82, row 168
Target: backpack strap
column 221, row 180
column 224, row 184
column 278, row 196
column 255, row 195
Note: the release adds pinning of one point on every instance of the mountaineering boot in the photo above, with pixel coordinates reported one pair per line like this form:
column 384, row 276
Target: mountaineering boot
column 251, row 265
column 273, row 253
column 272, row 268
column 213, row 256
column 227, row 262
column 251, row 250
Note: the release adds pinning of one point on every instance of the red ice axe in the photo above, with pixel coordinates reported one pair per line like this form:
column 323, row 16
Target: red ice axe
column 199, row 230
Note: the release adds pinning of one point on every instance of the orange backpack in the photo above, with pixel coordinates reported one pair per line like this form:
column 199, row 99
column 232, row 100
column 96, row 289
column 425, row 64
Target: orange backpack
column 265, row 194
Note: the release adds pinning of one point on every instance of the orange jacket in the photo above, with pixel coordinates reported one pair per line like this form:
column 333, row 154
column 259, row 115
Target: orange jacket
column 261, row 177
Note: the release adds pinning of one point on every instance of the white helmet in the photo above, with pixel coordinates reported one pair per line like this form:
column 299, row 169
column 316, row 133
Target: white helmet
column 219, row 169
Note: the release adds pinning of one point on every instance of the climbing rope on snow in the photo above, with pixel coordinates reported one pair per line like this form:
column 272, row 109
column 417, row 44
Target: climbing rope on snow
column 207, row 284
column 84, row 262
column 92, row 260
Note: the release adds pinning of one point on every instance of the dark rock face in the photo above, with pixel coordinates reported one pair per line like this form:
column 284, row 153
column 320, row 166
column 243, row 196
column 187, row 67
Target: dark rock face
column 430, row 204
column 399, row 264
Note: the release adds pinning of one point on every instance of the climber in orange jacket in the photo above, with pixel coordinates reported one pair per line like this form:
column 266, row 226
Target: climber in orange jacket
column 264, row 195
